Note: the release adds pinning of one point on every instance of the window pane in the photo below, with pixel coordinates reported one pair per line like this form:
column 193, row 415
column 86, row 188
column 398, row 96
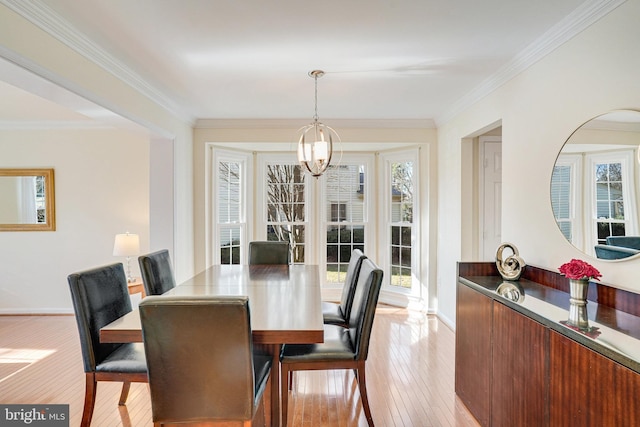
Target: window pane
column 560, row 191
column 358, row 237
column 402, row 191
column 229, row 186
column 615, row 172
column 618, row 229
column 332, row 253
column 601, row 172
column 616, row 190
column 395, row 235
column 230, row 245
column 406, row 236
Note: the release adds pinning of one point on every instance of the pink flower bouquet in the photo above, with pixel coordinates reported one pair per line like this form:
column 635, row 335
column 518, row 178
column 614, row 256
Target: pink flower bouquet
column 578, row 269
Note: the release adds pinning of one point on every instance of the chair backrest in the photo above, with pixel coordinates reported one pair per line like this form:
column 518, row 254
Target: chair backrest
column 632, row 242
column 268, row 252
column 157, row 273
column 199, row 357
column 363, row 309
column 349, row 287
column 614, row 252
column 99, row 296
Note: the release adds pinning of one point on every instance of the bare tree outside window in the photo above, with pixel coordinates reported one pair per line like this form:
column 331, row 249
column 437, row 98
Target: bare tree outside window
column 286, row 207
column 402, row 190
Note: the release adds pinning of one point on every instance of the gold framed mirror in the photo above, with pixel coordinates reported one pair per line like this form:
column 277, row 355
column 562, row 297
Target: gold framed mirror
column 27, row 200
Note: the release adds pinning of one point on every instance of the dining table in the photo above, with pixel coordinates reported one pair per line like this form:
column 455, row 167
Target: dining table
column 284, row 302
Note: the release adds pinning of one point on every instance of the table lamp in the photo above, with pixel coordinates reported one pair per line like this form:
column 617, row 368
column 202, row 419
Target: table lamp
column 127, row 245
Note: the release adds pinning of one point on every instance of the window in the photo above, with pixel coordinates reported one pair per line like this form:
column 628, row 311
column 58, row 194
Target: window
column 613, row 203
column 344, row 198
column 566, row 196
column 560, row 198
column 401, row 188
column 401, row 205
column 229, row 204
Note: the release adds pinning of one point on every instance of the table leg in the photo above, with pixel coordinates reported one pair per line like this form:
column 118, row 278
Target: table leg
column 276, row 382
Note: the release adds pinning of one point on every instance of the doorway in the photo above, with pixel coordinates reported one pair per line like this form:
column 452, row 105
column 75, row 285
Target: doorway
column 489, row 196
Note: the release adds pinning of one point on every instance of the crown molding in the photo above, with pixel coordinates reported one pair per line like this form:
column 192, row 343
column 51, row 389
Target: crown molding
column 573, row 24
column 49, row 21
column 52, row 125
column 297, row 123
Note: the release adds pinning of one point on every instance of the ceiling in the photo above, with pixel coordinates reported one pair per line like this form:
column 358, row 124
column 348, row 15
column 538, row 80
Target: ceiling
column 384, row 60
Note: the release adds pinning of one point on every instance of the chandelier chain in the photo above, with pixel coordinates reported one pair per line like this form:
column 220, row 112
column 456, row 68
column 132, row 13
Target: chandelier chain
column 315, row 116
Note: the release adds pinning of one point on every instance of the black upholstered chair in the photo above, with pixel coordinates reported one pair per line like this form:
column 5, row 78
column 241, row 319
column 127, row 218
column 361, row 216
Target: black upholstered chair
column 343, row 348
column 100, row 296
column 268, row 252
column 202, row 364
column 338, row 313
column 157, row 274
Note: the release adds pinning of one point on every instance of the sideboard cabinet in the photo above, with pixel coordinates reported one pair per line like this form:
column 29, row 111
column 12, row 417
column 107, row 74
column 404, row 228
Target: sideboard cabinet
column 518, row 364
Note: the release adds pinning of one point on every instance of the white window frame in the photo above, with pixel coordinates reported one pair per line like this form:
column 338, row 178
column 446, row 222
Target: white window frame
column 384, row 237
column 368, row 160
column 576, row 208
column 245, row 159
column 627, row 159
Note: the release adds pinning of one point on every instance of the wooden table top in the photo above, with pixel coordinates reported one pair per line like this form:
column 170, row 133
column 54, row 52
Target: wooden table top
column 284, row 301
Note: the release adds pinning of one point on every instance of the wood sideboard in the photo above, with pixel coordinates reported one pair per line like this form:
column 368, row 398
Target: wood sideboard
column 517, row 364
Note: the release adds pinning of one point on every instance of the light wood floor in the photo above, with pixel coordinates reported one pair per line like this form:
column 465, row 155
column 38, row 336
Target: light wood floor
column 410, row 376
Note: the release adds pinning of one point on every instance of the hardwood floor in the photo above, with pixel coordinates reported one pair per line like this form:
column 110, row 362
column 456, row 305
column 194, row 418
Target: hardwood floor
column 410, row 376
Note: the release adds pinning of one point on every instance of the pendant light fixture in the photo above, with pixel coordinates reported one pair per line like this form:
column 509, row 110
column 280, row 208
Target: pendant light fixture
column 315, row 145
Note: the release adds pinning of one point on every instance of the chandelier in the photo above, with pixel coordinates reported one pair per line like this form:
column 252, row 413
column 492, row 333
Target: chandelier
column 315, row 145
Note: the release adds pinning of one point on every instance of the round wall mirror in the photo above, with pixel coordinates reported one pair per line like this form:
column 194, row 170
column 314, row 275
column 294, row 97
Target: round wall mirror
column 594, row 186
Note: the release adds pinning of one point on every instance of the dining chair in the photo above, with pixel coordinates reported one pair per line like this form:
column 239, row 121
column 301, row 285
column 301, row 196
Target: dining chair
column 338, row 313
column 268, row 252
column 157, row 274
column 203, row 367
column 343, row 348
column 100, row 296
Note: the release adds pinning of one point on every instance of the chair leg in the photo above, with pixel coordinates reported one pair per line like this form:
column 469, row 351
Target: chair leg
column 284, row 400
column 362, row 385
column 89, row 399
column 125, row 393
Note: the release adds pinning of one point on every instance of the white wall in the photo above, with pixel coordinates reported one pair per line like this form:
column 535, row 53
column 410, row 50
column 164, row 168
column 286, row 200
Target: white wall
column 32, row 48
column 595, row 72
column 101, row 189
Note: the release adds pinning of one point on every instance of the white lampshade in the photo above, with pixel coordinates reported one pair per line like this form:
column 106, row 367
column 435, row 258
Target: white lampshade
column 126, row 245
column 321, row 150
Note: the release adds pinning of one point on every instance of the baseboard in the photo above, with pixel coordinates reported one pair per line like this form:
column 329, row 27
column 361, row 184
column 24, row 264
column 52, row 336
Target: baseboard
column 35, row 311
column 444, row 319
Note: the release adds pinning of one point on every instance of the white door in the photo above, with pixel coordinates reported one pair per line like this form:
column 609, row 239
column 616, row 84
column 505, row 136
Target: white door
column 490, row 196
